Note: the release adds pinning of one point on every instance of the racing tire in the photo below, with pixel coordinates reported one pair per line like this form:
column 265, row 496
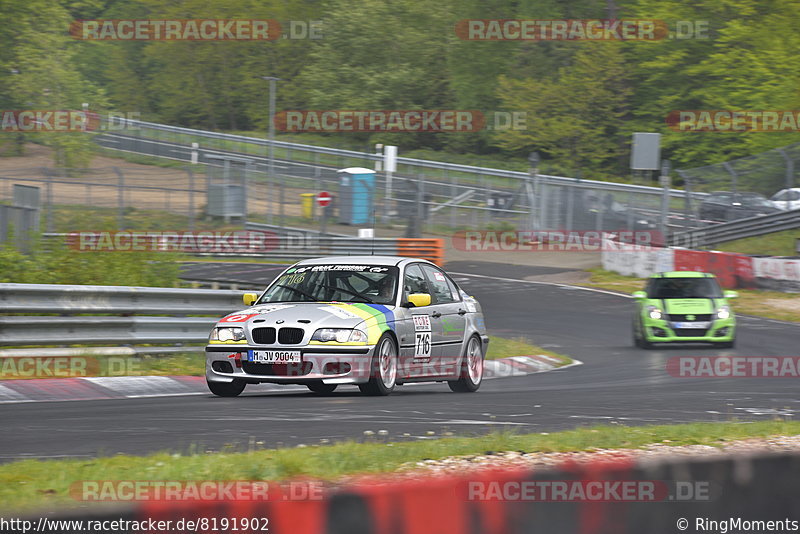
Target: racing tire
column 383, row 373
column 320, row 388
column 226, row 389
column 471, row 373
column 639, row 341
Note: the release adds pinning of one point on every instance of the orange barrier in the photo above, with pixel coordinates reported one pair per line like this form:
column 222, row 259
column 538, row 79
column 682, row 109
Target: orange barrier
column 428, row 249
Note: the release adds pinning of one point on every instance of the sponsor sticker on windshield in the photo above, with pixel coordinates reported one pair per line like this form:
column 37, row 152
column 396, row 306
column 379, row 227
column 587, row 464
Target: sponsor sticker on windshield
column 356, row 268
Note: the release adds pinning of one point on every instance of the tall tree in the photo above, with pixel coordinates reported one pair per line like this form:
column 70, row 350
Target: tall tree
column 37, row 72
column 575, row 118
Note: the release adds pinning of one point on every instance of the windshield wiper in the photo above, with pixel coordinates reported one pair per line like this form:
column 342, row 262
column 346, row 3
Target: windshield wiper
column 367, row 299
column 300, row 291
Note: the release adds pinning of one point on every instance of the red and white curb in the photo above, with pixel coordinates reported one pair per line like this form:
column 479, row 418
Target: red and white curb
column 97, row 388
column 523, row 365
column 137, row 387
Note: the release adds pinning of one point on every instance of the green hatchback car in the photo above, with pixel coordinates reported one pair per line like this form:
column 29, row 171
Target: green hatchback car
column 683, row 307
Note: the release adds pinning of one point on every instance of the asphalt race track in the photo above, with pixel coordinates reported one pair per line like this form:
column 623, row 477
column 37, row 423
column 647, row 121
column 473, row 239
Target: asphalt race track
column 617, row 384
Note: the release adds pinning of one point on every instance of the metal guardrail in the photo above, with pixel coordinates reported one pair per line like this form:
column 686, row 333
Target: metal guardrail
column 71, row 300
column 38, row 330
column 739, row 229
column 297, row 245
column 430, row 164
column 141, row 303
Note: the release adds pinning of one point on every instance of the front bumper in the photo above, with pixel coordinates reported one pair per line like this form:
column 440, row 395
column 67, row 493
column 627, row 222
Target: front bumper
column 331, row 365
column 662, row 331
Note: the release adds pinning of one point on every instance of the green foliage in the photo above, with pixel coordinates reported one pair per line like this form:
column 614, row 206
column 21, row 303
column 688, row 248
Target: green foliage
column 583, row 99
column 65, row 266
column 38, row 61
column 579, row 125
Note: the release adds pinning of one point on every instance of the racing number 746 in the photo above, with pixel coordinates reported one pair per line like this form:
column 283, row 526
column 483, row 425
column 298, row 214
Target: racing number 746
column 423, row 344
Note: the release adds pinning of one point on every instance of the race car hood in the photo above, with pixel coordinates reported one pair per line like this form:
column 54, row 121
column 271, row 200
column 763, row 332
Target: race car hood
column 687, row 306
column 374, row 319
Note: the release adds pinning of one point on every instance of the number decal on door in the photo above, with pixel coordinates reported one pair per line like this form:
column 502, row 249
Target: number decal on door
column 422, row 337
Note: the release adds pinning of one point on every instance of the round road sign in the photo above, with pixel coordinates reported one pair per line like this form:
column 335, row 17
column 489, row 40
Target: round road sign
column 323, row 199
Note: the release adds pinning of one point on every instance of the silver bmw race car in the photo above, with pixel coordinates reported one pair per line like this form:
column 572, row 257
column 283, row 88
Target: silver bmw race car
column 372, row 321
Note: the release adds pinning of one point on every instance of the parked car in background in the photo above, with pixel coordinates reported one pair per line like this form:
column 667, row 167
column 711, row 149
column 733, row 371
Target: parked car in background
column 724, row 206
column 594, row 211
column 787, row 199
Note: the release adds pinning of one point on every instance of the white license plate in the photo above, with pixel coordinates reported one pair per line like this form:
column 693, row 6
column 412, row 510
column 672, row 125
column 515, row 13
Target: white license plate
column 696, row 324
column 275, row 356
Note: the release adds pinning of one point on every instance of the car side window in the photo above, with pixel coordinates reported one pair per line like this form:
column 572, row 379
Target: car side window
column 783, row 195
column 793, row 195
column 443, row 292
column 414, row 281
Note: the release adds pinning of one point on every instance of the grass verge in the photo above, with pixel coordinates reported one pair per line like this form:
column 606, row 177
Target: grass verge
column 775, row 244
column 35, row 484
column 505, row 348
column 770, row 304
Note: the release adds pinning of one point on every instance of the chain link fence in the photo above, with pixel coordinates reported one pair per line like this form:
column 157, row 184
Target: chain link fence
column 420, row 194
column 227, row 176
column 741, row 187
column 114, row 190
column 765, row 173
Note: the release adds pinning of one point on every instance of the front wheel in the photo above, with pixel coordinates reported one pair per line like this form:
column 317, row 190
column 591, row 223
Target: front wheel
column 471, row 369
column 639, row 340
column 383, row 374
column 226, row 389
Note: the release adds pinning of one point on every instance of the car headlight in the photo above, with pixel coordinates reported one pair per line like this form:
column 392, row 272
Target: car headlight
column 227, row 334
column 653, row 312
column 340, row 335
column 724, row 312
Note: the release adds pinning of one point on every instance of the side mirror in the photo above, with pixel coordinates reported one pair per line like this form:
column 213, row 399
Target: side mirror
column 730, row 294
column 418, row 300
column 249, row 298
column 639, row 295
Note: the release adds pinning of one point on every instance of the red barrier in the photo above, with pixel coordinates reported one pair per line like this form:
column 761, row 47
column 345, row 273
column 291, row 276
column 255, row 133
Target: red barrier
column 732, row 270
column 745, row 275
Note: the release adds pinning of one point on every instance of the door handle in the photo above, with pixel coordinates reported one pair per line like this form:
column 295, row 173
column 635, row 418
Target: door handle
column 436, row 314
column 462, row 312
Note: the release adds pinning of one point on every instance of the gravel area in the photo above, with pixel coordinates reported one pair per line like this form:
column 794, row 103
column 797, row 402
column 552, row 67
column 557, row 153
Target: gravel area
column 533, row 460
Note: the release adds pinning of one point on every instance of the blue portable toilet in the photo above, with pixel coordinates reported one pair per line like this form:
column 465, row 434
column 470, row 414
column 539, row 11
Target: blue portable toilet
column 356, row 190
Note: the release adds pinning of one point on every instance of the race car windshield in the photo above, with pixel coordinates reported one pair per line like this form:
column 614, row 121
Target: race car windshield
column 683, row 288
column 373, row 284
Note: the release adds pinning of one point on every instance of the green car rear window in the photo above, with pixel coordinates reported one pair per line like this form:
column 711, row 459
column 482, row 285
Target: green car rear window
column 683, row 288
